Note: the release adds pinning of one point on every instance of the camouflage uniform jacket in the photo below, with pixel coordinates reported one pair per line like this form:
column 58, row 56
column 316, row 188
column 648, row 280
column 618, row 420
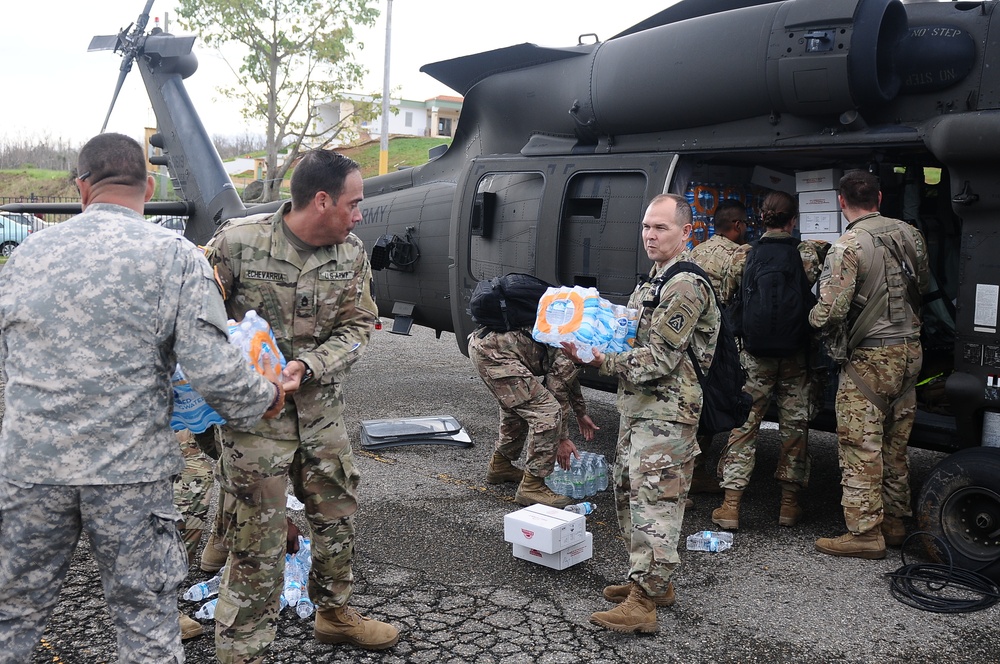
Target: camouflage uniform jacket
column 321, row 310
column 714, row 257
column 656, row 379
column 516, row 353
column 811, row 251
column 95, row 313
column 845, row 271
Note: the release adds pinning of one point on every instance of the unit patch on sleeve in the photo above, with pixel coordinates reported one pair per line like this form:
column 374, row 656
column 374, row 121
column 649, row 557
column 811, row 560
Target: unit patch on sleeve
column 676, row 322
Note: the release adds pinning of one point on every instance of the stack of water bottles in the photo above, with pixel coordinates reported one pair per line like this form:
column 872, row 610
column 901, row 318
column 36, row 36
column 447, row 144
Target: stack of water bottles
column 581, row 317
column 295, row 592
column 586, row 475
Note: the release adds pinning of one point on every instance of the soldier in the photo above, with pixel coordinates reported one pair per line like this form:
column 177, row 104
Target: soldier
column 715, row 256
column 785, row 377
column 881, row 261
column 660, row 402
column 95, row 314
column 538, row 388
column 302, row 270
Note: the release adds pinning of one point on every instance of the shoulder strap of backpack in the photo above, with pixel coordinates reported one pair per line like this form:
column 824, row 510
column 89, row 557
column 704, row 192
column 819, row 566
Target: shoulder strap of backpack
column 673, row 271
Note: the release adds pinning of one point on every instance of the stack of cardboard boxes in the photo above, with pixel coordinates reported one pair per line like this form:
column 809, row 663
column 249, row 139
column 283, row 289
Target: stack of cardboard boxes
column 819, row 209
column 548, row 536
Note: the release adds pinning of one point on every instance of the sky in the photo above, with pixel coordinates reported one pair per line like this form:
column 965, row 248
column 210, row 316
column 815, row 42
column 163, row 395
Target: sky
column 64, row 91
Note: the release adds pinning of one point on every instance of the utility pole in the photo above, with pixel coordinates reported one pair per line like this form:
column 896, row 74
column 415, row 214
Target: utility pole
column 383, row 153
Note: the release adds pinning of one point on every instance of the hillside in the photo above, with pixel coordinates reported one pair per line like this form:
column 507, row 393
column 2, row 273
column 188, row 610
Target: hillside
column 403, row 151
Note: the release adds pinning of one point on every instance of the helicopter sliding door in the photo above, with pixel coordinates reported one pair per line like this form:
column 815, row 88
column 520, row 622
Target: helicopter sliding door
column 599, row 240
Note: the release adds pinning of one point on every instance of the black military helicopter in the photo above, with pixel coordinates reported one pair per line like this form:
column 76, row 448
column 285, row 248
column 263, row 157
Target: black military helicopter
column 559, row 149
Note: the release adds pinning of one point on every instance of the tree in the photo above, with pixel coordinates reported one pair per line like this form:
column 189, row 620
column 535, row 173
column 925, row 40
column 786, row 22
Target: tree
column 296, row 55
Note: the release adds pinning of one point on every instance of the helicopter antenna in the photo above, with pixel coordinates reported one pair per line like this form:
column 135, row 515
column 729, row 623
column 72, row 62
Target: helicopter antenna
column 128, row 43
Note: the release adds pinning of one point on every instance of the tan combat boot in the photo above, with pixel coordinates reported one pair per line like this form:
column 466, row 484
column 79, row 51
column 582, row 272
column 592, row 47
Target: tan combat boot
column 190, row 628
column 728, row 515
column 346, row 625
column 532, row 490
column 870, row 545
column 618, row 594
column 502, row 470
column 790, row 512
column 893, row 530
column 636, row 614
column 214, row 556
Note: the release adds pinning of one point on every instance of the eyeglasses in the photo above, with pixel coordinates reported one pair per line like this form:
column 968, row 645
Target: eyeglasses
column 83, row 176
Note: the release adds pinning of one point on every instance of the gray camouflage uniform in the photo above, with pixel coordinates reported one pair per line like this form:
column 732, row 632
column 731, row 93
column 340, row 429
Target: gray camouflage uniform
column 94, row 315
column 660, row 401
column 787, row 380
column 322, row 312
column 875, row 476
column 537, row 388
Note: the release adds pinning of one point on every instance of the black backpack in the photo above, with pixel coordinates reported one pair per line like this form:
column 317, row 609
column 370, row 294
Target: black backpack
column 725, row 406
column 508, row 302
column 770, row 312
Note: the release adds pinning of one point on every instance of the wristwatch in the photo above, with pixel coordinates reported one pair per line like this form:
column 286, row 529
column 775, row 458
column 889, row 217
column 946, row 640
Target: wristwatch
column 308, row 375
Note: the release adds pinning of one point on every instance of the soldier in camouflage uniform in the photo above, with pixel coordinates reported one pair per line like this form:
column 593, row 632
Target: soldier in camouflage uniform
column 714, row 256
column 537, row 387
column 302, row 270
column 881, row 260
column 95, row 314
column 786, row 379
column 659, row 398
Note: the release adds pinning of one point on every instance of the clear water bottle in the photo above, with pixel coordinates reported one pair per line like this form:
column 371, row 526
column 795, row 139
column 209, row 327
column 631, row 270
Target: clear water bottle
column 707, row 540
column 552, row 481
column 293, row 582
column 578, row 480
column 205, row 589
column 601, row 472
column 590, row 475
column 207, row 610
column 581, row 508
column 305, row 608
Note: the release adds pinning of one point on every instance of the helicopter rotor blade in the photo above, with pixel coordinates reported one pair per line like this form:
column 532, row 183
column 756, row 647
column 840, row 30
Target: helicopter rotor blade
column 118, row 88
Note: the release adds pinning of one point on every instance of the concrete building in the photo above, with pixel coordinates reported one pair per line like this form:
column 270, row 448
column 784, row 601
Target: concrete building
column 433, row 117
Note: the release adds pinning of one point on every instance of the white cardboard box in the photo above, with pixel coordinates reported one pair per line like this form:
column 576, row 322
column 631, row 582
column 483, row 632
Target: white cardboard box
column 769, row 179
column 818, row 201
column 544, row 528
column 819, row 222
column 571, row 555
column 826, row 178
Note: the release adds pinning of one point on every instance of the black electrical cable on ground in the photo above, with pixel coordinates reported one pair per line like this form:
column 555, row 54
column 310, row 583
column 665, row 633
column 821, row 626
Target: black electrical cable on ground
column 922, row 585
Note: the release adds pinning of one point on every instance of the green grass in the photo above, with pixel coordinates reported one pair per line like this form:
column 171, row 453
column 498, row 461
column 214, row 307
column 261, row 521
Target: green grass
column 403, row 151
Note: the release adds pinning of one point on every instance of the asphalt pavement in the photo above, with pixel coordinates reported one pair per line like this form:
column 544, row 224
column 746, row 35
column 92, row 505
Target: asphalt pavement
column 430, row 558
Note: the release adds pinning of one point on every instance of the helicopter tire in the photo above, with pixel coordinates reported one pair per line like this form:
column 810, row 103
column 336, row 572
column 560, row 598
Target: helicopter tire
column 959, row 505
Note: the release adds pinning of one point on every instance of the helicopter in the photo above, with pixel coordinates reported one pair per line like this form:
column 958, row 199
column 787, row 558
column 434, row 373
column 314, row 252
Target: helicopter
column 559, row 150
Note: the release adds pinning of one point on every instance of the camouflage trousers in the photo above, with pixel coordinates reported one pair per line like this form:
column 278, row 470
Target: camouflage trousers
column 134, row 542
column 191, row 489
column 875, row 474
column 537, row 423
column 652, row 476
column 786, row 380
column 254, row 473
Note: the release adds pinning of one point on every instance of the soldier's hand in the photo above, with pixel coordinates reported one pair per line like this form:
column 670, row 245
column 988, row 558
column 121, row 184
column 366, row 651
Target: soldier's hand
column 292, row 376
column 566, row 450
column 587, row 427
